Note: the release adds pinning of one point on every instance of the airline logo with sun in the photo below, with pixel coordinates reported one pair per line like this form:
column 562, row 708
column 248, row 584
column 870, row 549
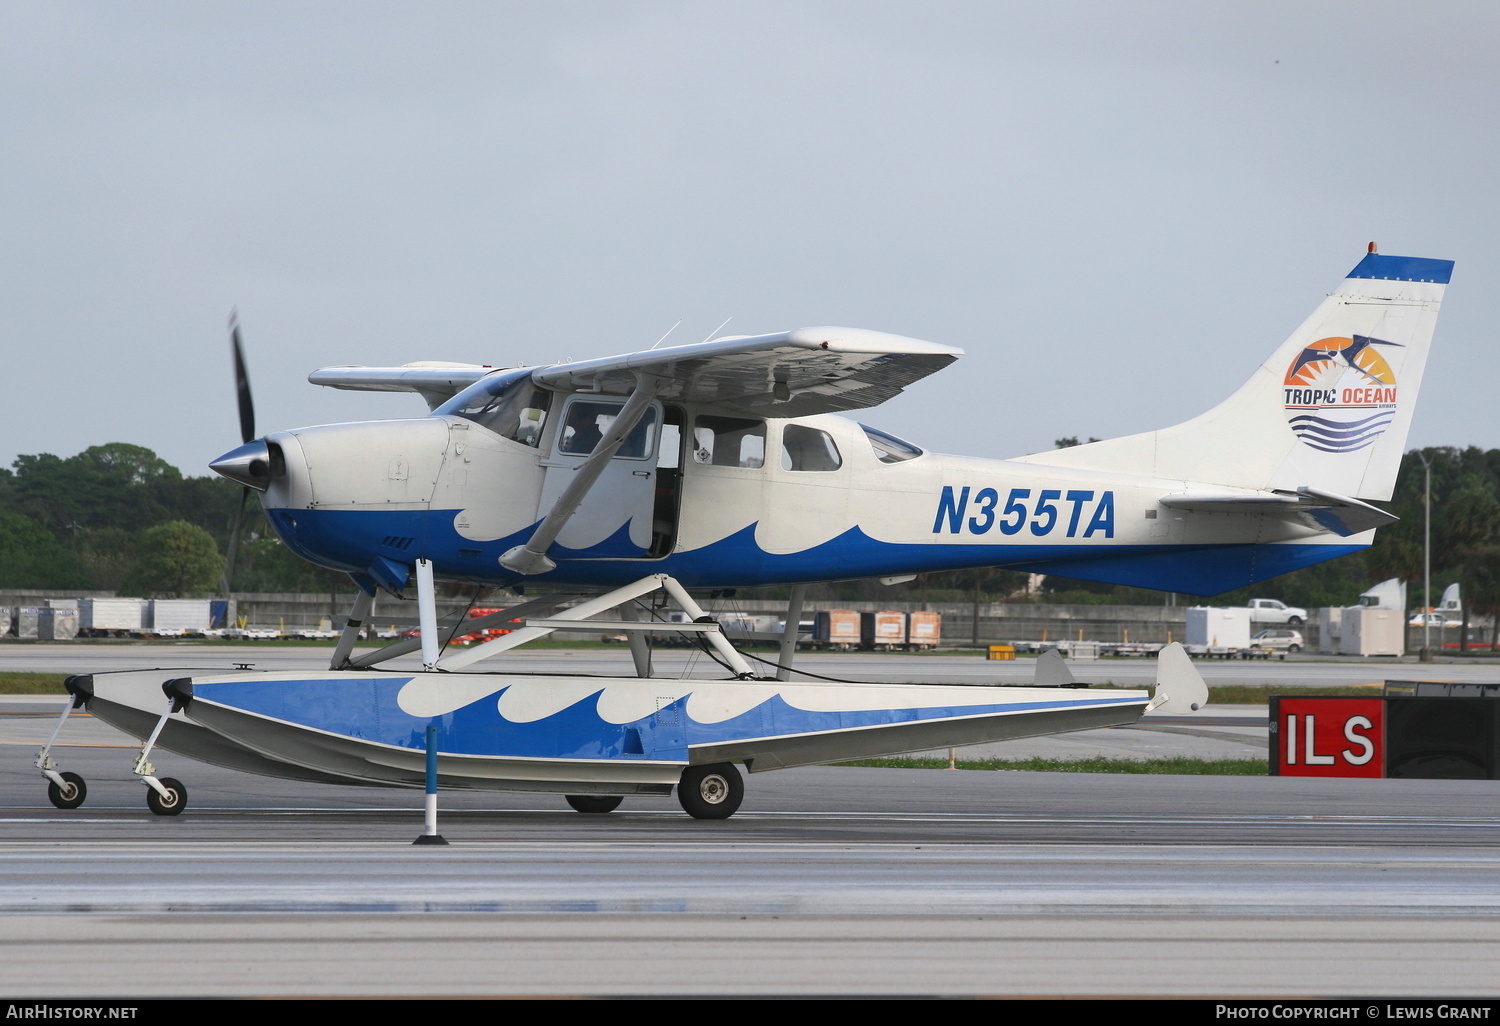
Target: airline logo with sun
column 1340, row 393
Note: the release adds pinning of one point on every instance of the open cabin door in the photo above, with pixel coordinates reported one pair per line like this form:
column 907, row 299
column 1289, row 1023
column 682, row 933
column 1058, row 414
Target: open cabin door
column 615, row 519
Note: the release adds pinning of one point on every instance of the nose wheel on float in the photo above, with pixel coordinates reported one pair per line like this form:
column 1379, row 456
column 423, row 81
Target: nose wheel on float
column 165, row 796
column 64, row 790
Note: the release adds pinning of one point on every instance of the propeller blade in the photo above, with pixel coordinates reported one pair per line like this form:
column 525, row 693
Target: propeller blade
column 241, row 381
column 227, row 580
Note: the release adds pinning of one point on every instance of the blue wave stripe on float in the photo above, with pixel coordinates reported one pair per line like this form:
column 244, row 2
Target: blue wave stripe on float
column 367, row 710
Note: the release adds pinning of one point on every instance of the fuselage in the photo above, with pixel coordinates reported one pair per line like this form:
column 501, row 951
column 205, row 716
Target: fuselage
column 719, row 501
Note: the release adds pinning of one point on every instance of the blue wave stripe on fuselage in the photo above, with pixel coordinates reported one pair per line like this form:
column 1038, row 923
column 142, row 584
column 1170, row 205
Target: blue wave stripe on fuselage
column 345, row 539
column 367, row 710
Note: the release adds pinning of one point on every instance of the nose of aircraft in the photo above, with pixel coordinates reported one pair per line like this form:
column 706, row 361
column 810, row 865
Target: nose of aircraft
column 249, row 464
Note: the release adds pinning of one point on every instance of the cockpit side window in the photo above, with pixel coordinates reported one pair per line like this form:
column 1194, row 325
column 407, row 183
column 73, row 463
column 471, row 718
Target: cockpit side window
column 888, row 448
column 588, row 421
column 509, row 405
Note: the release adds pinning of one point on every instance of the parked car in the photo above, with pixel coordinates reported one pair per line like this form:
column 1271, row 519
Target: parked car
column 1280, row 639
column 1434, row 620
column 1275, row 611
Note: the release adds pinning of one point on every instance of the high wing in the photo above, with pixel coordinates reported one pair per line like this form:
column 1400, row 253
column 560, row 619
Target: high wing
column 791, row 374
column 1323, row 511
column 433, row 381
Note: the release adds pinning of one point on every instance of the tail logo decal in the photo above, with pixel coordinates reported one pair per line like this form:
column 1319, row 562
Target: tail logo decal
column 1340, row 393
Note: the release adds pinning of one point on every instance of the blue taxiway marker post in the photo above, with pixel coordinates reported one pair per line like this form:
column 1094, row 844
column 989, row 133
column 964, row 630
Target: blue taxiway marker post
column 430, row 833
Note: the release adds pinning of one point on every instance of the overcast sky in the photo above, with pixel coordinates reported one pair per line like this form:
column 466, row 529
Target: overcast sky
column 1117, row 209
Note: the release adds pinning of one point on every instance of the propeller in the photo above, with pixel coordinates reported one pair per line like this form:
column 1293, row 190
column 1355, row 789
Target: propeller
column 247, row 433
column 241, row 380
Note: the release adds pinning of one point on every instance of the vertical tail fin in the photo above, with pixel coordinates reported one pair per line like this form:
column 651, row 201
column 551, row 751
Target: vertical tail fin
column 1329, row 410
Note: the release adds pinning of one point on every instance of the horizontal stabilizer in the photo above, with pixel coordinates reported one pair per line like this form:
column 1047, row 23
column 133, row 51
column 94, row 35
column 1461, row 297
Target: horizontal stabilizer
column 791, row 374
column 1320, row 510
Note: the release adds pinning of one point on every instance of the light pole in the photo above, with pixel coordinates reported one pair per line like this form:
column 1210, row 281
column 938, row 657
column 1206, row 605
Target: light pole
column 1426, row 655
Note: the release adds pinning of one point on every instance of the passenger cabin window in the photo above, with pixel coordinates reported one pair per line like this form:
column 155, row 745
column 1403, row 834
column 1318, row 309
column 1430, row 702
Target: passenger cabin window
column 889, row 448
column 729, row 442
column 508, row 404
column 805, row 448
column 589, row 420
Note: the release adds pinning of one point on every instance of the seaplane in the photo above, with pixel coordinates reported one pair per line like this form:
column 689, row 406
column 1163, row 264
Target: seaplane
column 622, row 485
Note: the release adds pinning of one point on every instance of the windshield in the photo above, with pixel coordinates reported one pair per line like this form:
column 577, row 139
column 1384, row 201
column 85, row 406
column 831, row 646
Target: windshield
column 508, row 404
column 888, row 448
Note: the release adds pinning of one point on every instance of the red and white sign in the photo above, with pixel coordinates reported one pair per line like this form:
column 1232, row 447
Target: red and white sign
column 1328, row 737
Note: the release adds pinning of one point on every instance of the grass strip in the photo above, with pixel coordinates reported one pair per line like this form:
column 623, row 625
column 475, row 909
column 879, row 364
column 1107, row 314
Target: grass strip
column 1260, row 694
column 1097, row 764
column 32, row 683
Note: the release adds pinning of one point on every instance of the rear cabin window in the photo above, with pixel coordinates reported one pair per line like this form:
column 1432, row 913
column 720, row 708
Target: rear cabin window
column 729, row 442
column 805, row 448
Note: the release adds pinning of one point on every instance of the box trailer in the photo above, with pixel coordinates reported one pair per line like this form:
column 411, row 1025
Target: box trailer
column 836, row 629
column 882, row 631
column 104, row 617
column 924, row 629
column 180, row 616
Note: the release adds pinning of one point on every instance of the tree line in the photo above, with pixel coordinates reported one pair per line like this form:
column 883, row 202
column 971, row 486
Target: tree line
column 119, row 518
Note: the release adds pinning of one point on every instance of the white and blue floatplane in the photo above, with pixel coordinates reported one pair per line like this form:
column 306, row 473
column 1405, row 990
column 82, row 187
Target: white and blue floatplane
column 721, row 465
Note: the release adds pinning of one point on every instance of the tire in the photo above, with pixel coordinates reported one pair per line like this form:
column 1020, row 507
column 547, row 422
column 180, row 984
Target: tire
column 592, row 804
column 1293, row 649
column 69, row 797
column 173, row 803
column 711, row 792
column 1295, row 621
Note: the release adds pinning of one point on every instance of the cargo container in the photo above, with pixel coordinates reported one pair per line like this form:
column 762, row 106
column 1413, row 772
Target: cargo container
column 883, row 631
column 104, row 617
column 836, row 629
column 57, row 624
column 924, row 629
column 1217, row 627
column 1330, row 629
column 1372, row 632
column 27, row 618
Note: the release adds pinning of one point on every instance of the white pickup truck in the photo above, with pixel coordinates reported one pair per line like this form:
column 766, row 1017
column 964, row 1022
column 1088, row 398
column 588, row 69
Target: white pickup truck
column 1275, row 611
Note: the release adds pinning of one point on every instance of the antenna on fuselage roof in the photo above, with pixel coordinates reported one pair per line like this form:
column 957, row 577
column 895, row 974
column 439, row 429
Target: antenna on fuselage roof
column 720, row 328
column 669, row 331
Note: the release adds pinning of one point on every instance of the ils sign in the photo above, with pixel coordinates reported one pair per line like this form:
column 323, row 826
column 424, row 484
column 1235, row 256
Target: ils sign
column 1328, row 737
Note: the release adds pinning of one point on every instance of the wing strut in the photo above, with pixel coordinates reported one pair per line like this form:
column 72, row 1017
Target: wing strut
column 531, row 558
